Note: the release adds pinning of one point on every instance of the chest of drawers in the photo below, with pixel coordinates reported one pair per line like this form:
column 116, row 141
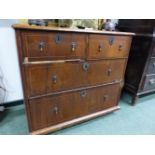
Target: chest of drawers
column 70, row 76
column 140, row 72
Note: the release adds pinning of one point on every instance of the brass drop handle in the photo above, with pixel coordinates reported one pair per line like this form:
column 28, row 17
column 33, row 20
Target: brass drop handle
column 100, row 47
column 109, row 71
column 152, row 81
column 41, row 46
column 54, row 79
column 105, row 98
column 83, row 93
column 55, row 110
column 120, row 47
column 73, row 46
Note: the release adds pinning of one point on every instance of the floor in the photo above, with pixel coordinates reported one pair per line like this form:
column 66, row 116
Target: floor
column 129, row 120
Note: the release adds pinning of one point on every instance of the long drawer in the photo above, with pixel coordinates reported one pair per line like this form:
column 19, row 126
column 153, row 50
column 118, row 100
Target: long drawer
column 108, row 46
column 53, row 45
column 64, row 107
column 48, row 78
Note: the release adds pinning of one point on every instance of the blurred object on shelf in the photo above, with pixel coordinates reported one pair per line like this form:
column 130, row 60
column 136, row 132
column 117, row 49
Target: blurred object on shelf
column 85, row 23
column 23, row 21
column 101, row 23
column 109, row 25
column 96, row 24
column 52, row 22
column 65, row 22
column 39, row 22
column 76, row 23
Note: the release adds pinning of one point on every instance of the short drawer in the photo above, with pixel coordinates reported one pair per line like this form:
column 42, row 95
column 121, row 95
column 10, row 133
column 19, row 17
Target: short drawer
column 107, row 46
column 42, row 79
column 151, row 66
column 149, row 82
column 53, row 45
column 52, row 110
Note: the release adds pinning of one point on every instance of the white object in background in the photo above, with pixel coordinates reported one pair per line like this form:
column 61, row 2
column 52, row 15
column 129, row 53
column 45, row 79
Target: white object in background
column 9, row 64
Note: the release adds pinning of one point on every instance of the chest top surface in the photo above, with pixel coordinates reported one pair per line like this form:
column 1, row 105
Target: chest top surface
column 45, row 28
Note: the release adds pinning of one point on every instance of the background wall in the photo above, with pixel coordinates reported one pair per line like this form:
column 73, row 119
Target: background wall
column 9, row 68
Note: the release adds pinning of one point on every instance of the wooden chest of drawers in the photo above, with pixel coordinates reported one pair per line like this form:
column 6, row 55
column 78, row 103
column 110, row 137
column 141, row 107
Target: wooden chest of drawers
column 70, row 76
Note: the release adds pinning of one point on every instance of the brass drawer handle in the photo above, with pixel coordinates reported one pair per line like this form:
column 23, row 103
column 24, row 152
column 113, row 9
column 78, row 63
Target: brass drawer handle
column 120, row 47
column 152, row 81
column 109, row 71
column 41, row 46
column 54, row 79
column 55, row 110
column 83, row 93
column 105, row 98
column 100, row 47
column 73, row 46
column 85, row 66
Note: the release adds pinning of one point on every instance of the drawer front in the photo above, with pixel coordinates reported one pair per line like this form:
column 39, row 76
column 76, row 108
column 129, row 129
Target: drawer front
column 151, row 66
column 149, row 82
column 44, row 79
column 153, row 47
column 107, row 46
column 153, row 53
column 53, row 45
column 64, row 107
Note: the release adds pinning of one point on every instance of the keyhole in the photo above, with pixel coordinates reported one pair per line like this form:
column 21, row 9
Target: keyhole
column 58, row 38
